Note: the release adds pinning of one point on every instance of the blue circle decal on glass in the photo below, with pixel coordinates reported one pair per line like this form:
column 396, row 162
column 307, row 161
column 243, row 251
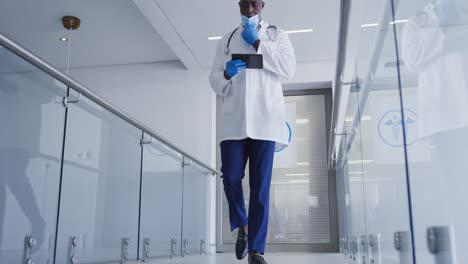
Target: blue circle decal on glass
column 290, row 137
column 391, row 128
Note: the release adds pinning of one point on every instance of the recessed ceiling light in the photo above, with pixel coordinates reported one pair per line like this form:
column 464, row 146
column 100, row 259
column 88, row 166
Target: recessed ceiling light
column 356, row 173
column 370, row 25
column 363, row 118
column 215, row 38
column 355, row 162
column 302, row 121
column 299, row 31
column 63, row 39
column 297, row 174
column 391, row 23
column 299, row 181
column 399, row 21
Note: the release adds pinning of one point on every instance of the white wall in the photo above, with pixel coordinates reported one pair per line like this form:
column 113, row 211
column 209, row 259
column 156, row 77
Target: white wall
column 313, row 72
column 174, row 102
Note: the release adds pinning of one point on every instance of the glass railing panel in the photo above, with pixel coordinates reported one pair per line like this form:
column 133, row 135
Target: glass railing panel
column 161, row 201
column 100, row 188
column 32, row 121
column 383, row 167
column 95, row 192
column 355, row 196
column 351, row 176
column 433, row 44
column 195, row 209
column 383, row 160
column 342, row 194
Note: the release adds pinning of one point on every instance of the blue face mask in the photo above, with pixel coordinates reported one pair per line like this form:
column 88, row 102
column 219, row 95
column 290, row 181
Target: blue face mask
column 255, row 20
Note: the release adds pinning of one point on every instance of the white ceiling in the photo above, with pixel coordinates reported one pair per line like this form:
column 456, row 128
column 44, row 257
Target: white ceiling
column 195, row 21
column 118, row 32
column 111, row 32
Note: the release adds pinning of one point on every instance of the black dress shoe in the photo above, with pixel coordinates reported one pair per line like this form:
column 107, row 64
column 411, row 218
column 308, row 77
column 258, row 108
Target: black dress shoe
column 256, row 259
column 241, row 244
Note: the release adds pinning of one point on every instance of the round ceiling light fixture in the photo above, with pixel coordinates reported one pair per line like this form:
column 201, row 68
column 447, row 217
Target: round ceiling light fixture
column 71, row 22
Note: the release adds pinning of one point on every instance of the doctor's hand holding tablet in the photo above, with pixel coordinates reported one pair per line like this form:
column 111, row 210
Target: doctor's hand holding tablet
column 242, row 61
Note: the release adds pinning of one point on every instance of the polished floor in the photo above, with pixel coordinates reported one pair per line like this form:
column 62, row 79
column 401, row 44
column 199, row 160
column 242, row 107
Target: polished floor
column 272, row 258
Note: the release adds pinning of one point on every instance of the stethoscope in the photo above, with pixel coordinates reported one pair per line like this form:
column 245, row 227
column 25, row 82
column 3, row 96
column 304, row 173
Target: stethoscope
column 227, row 51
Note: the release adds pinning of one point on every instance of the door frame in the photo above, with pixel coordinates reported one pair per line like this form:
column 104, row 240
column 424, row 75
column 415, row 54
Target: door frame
column 331, row 247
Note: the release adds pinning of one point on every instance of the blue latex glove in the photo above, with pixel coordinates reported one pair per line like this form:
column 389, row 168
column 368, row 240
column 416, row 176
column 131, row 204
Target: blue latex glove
column 249, row 34
column 233, row 67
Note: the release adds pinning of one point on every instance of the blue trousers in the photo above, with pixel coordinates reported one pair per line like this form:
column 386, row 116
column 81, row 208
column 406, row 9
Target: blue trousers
column 234, row 156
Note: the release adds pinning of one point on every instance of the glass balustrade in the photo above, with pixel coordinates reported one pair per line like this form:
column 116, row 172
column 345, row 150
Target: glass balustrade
column 81, row 182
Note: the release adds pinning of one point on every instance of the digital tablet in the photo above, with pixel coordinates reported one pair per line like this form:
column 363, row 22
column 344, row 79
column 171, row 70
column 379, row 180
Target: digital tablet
column 253, row 61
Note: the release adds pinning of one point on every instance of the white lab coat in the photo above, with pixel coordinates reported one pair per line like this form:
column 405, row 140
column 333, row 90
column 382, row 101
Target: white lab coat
column 253, row 101
column 439, row 55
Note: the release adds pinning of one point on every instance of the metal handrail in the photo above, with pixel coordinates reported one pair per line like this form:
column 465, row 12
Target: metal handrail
column 363, row 84
column 343, row 32
column 368, row 80
column 67, row 80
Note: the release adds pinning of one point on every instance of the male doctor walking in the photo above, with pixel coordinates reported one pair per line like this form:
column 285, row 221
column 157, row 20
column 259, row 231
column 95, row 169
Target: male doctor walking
column 253, row 121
